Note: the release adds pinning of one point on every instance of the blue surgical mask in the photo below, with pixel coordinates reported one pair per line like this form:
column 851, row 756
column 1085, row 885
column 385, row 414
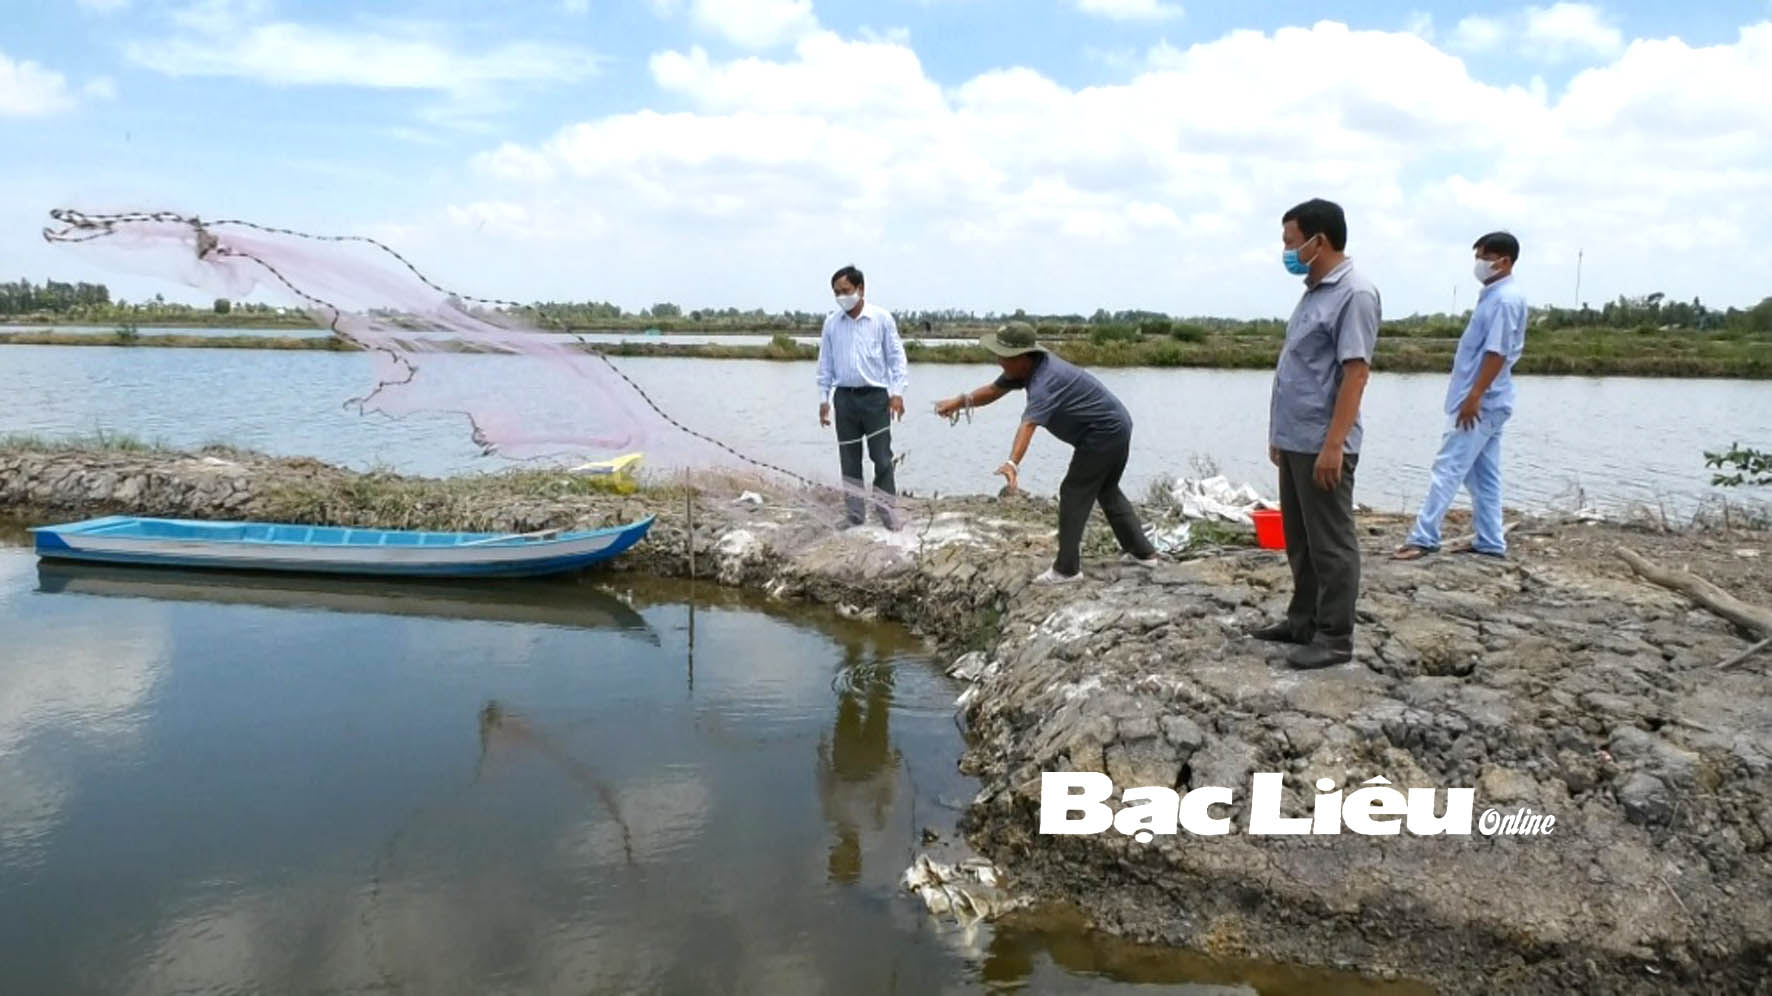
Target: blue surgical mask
column 1294, row 265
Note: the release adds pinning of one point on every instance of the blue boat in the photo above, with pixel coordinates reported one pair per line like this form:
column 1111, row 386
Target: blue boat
column 269, row 546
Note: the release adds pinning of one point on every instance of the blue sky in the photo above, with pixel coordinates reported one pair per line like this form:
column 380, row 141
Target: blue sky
column 1048, row 154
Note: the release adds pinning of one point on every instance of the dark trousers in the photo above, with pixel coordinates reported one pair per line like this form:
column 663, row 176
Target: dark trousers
column 1094, row 478
column 859, row 411
column 1323, row 548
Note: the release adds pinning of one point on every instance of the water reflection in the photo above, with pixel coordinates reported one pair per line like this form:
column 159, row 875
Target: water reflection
column 257, row 784
column 497, row 722
column 857, row 764
column 84, row 690
column 541, row 601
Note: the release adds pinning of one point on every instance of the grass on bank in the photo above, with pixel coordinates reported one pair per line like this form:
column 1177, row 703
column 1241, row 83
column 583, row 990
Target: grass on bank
column 1582, row 352
column 382, row 498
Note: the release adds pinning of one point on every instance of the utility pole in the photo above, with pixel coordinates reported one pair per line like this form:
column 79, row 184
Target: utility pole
column 1578, row 278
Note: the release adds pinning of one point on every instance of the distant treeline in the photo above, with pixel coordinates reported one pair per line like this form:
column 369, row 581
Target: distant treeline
column 91, row 304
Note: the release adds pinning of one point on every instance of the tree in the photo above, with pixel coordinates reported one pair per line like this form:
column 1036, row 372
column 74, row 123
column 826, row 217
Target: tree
column 223, row 306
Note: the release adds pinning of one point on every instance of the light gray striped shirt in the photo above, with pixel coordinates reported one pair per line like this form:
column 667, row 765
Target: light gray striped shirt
column 861, row 352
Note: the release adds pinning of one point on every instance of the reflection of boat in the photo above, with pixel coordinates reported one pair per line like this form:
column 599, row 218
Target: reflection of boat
column 267, row 546
column 620, row 466
column 540, row 602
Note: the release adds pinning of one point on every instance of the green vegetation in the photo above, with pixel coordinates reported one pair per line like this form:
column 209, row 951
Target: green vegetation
column 1579, row 351
column 130, row 335
column 100, row 440
column 1645, row 336
column 1753, row 468
column 464, row 503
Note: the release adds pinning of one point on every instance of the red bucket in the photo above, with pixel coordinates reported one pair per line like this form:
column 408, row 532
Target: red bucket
column 1270, row 533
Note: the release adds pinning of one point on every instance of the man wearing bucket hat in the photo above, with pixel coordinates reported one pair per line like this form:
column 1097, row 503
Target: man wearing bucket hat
column 1075, row 407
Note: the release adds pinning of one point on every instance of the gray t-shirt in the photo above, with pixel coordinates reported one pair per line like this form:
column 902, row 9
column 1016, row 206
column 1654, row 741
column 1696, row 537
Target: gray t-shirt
column 1335, row 321
column 1071, row 404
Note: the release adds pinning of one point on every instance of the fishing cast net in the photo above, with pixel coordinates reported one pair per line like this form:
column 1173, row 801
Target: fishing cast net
column 524, row 387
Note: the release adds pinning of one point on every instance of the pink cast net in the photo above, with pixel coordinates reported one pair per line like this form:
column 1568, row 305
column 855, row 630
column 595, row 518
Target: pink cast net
column 435, row 352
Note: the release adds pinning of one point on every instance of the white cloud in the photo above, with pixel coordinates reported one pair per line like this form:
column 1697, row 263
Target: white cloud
column 1130, row 10
column 1479, row 34
column 1560, row 31
column 29, row 90
column 103, row 6
column 1421, row 24
column 1011, row 190
column 100, row 88
column 226, row 39
column 755, row 23
column 1566, row 29
column 577, row 8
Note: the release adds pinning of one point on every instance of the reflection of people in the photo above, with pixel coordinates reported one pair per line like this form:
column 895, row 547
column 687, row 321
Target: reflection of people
column 857, row 765
column 1314, row 433
column 1075, row 407
column 861, row 368
column 1479, row 401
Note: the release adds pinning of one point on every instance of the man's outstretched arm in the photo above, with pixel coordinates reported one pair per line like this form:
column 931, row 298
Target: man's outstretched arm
column 980, row 396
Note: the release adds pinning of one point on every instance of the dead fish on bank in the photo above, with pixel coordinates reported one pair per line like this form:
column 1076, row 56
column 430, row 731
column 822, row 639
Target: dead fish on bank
column 969, row 892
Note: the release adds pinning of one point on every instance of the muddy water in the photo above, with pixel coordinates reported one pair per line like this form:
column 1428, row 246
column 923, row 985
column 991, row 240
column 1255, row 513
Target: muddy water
column 229, row 783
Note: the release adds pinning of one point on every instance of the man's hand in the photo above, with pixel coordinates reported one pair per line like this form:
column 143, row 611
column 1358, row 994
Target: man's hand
column 1273, row 454
column 896, row 406
column 1471, row 412
column 1010, row 471
column 1328, row 471
column 946, row 409
column 824, row 414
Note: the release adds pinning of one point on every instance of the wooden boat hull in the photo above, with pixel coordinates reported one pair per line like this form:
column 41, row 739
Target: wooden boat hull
column 261, row 546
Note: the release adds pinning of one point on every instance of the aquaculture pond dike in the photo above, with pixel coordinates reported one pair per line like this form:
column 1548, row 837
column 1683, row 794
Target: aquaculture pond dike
column 1559, row 680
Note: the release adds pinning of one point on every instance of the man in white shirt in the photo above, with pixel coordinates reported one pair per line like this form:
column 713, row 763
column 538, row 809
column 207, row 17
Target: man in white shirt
column 862, row 373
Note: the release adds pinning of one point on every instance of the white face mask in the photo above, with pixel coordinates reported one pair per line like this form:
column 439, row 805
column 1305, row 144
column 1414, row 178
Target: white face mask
column 847, row 302
column 1485, row 270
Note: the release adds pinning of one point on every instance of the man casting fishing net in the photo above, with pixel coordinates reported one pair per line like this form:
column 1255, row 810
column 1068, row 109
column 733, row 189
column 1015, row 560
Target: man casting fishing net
column 1074, row 406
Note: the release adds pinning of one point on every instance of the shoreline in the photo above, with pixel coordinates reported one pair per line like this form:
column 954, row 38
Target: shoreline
column 1576, row 354
column 1556, row 680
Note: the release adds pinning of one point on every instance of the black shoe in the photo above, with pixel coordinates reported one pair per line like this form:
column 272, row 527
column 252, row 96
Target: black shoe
column 1277, row 633
column 1317, row 655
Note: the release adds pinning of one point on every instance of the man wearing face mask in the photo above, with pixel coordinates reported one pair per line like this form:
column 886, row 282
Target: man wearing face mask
column 1314, row 433
column 1479, row 401
column 862, row 371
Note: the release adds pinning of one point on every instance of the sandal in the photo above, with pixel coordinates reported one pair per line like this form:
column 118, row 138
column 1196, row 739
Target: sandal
column 1480, row 553
column 1410, row 553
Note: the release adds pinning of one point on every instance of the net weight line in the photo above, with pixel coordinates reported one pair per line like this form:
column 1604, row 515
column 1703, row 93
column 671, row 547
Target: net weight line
column 92, row 227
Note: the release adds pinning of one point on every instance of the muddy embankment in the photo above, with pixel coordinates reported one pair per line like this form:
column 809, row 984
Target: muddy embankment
column 1556, row 681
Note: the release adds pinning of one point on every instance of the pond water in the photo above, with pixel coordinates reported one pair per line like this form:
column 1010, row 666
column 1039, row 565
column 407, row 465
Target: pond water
column 309, row 332
column 1603, row 442
column 226, row 783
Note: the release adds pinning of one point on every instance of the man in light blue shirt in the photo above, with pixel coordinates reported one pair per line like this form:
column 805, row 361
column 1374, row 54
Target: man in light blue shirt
column 862, row 373
column 1479, row 402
